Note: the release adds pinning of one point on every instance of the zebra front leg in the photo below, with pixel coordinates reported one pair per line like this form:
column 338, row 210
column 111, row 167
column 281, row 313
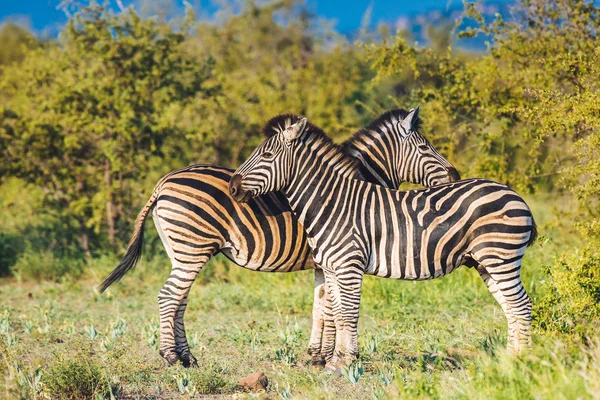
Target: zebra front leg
column 344, row 287
column 322, row 339
column 318, row 319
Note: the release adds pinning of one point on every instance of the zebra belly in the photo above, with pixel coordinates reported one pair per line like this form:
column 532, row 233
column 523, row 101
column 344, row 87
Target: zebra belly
column 418, row 267
column 242, row 260
column 410, row 274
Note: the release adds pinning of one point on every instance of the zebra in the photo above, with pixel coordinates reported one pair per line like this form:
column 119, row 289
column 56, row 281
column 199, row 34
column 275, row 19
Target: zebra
column 355, row 227
column 196, row 218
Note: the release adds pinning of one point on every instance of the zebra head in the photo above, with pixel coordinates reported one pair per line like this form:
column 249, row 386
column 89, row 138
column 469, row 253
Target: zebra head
column 391, row 151
column 267, row 168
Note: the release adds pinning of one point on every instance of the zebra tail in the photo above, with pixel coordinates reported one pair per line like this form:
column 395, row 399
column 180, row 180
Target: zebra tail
column 134, row 248
column 534, row 233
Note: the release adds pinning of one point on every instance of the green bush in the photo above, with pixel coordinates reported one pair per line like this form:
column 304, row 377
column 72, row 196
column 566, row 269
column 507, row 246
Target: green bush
column 212, row 380
column 76, row 378
column 571, row 300
column 10, row 247
column 44, row 265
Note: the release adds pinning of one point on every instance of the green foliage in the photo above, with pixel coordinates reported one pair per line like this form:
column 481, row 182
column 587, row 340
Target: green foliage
column 353, row 373
column 16, row 41
column 10, row 247
column 272, row 59
column 43, row 265
column 510, row 112
column 29, row 227
column 211, row 378
column 86, row 118
column 76, row 378
column 93, row 120
column 571, row 303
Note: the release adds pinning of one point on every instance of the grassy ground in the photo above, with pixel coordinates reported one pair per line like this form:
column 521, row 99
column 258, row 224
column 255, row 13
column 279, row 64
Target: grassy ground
column 434, row 339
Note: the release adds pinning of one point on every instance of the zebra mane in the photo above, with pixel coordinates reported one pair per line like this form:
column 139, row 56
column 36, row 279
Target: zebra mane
column 374, row 128
column 280, row 122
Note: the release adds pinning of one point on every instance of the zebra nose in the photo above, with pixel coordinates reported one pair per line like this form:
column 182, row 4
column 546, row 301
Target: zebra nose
column 234, row 185
column 235, row 188
column 453, row 174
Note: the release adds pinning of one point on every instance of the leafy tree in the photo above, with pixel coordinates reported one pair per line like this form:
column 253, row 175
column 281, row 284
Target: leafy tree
column 90, row 116
column 272, row 59
column 481, row 103
column 15, row 43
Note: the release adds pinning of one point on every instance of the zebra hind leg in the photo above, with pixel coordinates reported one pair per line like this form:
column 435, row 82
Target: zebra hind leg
column 495, row 291
column 182, row 347
column 172, row 302
column 329, row 331
column 172, row 298
column 506, row 286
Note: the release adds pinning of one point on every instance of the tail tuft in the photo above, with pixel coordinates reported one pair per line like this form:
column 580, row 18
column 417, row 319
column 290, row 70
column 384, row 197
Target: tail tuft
column 134, row 251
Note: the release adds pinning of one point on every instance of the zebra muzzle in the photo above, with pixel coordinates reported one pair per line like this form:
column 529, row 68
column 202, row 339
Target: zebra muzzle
column 453, row 174
column 236, row 191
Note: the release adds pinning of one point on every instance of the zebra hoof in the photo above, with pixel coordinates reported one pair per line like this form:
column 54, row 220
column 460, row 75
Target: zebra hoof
column 170, row 357
column 333, row 369
column 318, row 362
column 189, row 361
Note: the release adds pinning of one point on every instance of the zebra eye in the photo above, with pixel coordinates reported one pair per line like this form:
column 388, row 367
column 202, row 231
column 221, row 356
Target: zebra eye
column 268, row 155
column 423, row 147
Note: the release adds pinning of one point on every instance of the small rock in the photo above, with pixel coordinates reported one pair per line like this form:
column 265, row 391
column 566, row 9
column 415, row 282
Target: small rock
column 30, row 295
column 255, row 381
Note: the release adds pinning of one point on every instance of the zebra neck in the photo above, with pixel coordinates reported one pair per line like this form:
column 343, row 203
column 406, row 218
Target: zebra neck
column 374, row 156
column 375, row 172
column 317, row 186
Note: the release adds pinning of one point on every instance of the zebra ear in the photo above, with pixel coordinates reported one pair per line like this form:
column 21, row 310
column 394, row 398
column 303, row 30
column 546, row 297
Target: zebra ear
column 408, row 123
column 293, row 132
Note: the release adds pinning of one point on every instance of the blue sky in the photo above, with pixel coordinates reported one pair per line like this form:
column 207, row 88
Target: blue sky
column 45, row 19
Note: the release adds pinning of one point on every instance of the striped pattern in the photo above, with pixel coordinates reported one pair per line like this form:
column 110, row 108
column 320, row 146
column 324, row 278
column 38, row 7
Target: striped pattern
column 196, row 218
column 356, row 227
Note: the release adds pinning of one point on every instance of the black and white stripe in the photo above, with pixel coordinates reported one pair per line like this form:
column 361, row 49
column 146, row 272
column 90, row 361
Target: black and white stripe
column 356, row 227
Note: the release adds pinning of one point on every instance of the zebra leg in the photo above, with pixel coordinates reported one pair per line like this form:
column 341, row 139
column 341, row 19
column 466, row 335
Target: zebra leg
column 172, row 298
column 316, row 335
column 495, row 291
column 328, row 341
column 182, row 347
column 322, row 339
column 507, row 277
column 172, row 301
column 345, row 300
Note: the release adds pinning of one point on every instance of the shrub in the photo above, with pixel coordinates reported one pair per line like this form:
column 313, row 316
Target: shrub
column 208, row 379
column 10, row 247
column 571, row 299
column 76, row 379
column 43, row 265
column 213, row 381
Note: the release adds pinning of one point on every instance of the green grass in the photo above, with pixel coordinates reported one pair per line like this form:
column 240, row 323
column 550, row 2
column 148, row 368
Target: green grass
column 435, row 339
